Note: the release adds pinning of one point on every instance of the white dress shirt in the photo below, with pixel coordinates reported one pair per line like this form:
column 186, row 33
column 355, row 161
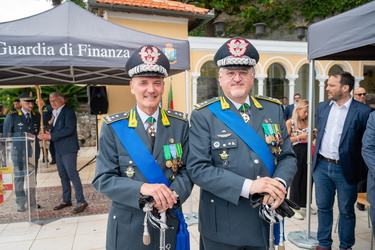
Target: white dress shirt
column 144, row 117
column 333, row 130
column 56, row 113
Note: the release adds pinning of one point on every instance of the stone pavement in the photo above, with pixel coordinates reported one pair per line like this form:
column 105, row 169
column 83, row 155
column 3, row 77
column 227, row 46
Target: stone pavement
column 88, row 232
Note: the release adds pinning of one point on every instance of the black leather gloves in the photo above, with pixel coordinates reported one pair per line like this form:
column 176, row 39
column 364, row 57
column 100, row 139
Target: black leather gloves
column 285, row 209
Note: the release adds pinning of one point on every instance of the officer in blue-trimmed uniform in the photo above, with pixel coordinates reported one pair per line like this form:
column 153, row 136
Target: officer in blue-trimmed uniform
column 143, row 152
column 17, row 123
column 235, row 142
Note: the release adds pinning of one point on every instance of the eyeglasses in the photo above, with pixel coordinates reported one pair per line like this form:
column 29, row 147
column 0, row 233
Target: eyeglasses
column 241, row 74
column 361, row 94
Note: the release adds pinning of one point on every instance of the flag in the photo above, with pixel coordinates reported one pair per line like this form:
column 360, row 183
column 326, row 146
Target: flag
column 170, row 96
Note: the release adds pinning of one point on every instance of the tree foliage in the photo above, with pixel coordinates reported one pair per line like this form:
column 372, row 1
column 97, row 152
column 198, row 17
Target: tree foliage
column 241, row 15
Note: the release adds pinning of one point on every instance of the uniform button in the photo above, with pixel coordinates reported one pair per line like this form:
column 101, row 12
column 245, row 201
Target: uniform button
column 212, row 201
column 256, row 161
column 114, row 217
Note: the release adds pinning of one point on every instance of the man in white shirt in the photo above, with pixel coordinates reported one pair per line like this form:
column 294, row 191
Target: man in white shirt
column 337, row 162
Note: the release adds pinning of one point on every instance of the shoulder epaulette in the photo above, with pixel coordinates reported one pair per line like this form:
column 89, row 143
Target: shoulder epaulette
column 177, row 114
column 206, row 103
column 270, row 99
column 115, row 117
column 12, row 112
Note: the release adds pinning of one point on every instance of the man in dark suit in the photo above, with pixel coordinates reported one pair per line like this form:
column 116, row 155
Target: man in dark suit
column 17, row 123
column 225, row 163
column 143, row 153
column 64, row 136
column 289, row 109
column 337, row 161
column 368, row 153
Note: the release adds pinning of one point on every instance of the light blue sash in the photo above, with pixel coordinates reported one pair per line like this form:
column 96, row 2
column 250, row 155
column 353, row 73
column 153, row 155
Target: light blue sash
column 139, row 153
column 246, row 133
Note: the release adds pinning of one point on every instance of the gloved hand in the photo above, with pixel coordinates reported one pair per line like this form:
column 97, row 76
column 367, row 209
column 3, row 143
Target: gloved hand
column 256, row 200
column 285, row 209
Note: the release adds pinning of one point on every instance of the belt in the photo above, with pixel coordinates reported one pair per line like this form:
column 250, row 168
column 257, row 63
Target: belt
column 329, row 160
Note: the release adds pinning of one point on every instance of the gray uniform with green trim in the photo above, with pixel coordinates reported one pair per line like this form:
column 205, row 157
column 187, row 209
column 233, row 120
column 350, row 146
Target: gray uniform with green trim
column 225, row 216
column 125, row 222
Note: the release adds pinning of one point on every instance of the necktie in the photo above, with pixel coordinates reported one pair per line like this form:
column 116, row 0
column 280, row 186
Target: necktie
column 151, row 131
column 243, row 109
column 28, row 118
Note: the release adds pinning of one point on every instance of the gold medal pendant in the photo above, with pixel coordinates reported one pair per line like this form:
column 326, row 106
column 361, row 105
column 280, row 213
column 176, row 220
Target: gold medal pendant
column 168, row 164
column 245, row 117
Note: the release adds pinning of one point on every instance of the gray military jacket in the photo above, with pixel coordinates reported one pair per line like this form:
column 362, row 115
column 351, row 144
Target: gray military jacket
column 219, row 162
column 119, row 178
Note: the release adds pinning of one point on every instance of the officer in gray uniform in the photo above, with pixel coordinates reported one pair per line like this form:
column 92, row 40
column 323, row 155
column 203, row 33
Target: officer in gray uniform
column 17, row 123
column 231, row 158
column 154, row 133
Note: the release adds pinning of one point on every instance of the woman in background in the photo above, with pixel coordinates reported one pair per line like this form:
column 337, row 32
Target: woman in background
column 297, row 129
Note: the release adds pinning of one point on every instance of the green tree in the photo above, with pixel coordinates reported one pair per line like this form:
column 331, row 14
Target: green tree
column 241, row 15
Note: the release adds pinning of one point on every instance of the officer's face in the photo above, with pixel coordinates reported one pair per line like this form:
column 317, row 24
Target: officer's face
column 334, row 88
column 17, row 105
column 148, row 91
column 236, row 83
column 56, row 102
column 27, row 106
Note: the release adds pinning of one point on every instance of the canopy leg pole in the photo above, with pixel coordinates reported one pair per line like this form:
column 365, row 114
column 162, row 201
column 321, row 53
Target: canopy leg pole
column 305, row 238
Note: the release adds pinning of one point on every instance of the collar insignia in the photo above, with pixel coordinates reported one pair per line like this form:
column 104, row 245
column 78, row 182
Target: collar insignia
column 224, row 103
column 133, row 119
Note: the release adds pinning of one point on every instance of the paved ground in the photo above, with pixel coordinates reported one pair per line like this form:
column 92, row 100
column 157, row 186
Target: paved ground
column 88, row 232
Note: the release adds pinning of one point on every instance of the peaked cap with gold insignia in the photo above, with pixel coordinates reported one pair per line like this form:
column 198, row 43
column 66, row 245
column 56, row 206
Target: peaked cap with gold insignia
column 27, row 96
column 148, row 60
column 236, row 53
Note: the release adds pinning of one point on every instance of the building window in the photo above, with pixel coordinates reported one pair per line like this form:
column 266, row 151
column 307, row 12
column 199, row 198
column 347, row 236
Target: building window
column 302, row 82
column 276, row 84
column 208, row 85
